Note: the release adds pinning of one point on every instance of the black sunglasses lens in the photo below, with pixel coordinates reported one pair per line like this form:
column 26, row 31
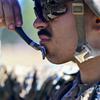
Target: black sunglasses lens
column 35, row 11
column 50, row 12
column 38, row 13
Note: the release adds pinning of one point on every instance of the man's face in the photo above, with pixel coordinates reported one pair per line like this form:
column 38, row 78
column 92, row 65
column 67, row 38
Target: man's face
column 92, row 29
column 61, row 42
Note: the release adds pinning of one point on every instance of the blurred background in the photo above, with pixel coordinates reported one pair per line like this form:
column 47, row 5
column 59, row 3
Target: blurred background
column 15, row 54
column 19, row 60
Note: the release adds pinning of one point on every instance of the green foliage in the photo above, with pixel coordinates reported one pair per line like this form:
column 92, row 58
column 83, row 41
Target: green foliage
column 28, row 18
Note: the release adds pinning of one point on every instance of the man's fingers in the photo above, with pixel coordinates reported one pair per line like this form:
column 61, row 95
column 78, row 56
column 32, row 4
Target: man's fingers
column 8, row 14
column 17, row 15
column 1, row 14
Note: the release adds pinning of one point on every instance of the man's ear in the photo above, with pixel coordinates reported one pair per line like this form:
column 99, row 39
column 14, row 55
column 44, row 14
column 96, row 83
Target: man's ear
column 97, row 25
column 98, row 20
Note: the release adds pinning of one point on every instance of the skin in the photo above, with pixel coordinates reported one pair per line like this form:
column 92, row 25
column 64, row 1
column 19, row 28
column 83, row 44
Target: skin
column 61, row 30
column 63, row 43
column 90, row 70
column 92, row 29
column 90, row 74
column 10, row 14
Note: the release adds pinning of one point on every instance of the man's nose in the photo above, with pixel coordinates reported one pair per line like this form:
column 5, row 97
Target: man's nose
column 39, row 24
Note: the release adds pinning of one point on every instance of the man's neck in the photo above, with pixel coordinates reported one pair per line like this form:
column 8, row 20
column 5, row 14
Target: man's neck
column 90, row 70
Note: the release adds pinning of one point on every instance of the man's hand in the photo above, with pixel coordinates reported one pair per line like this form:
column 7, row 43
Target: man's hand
column 10, row 14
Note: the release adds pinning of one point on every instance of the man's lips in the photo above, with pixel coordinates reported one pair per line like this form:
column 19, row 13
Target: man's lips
column 44, row 35
column 44, row 38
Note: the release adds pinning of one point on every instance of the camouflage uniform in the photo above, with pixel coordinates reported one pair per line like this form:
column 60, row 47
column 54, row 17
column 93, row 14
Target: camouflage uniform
column 75, row 90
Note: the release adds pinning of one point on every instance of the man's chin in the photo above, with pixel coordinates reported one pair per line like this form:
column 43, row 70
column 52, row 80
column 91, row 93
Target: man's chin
column 56, row 60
